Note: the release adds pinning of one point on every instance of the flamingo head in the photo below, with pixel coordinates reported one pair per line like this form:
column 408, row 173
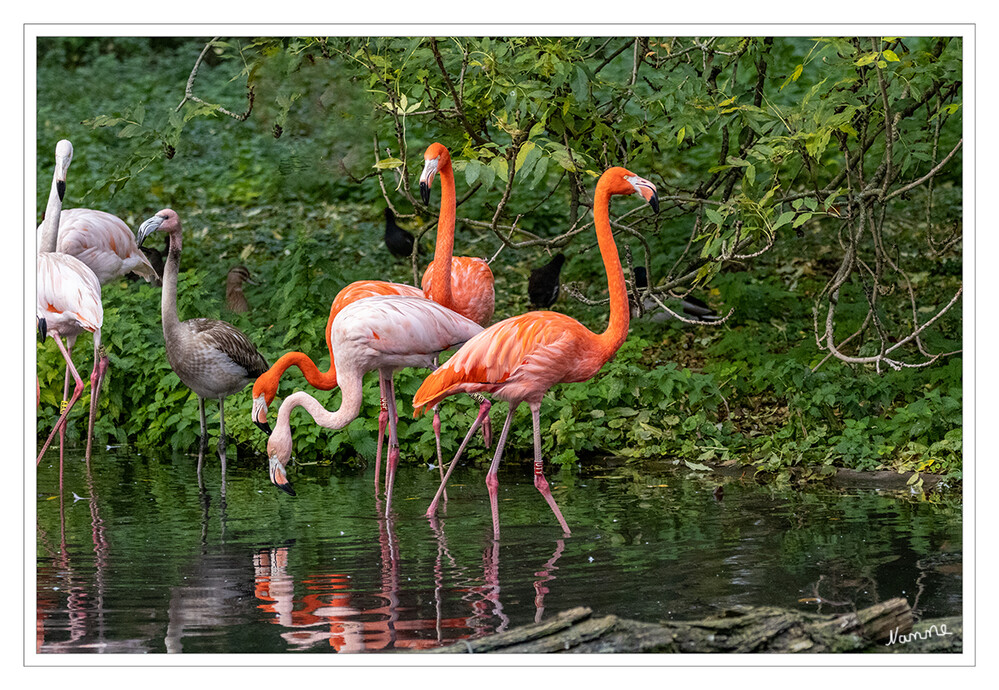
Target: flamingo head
column 278, row 455
column 164, row 221
column 626, row 182
column 436, row 158
column 63, row 156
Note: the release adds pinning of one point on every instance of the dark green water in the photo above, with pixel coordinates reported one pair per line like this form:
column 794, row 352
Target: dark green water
column 135, row 558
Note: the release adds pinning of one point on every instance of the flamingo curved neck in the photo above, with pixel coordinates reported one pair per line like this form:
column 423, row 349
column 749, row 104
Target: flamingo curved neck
column 350, row 406
column 620, row 313
column 168, row 302
column 440, row 289
column 324, row 380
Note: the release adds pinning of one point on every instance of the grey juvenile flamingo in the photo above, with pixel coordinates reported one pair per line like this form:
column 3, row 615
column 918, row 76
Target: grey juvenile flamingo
column 211, row 357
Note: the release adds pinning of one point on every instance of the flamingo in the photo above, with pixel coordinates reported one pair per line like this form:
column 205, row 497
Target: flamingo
column 68, row 302
column 382, row 333
column 211, row 357
column 542, row 285
column 104, row 242
column 520, row 358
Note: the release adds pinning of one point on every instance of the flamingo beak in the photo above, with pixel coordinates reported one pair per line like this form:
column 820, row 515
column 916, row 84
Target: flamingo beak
column 278, row 476
column 259, row 414
column 427, row 178
column 148, row 227
column 647, row 190
column 42, row 330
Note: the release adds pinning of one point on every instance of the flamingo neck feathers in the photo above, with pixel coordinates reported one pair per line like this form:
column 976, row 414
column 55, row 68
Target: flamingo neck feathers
column 620, row 313
column 323, row 380
column 440, row 289
column 50, row 224
column 350, row 406
column 168, row 303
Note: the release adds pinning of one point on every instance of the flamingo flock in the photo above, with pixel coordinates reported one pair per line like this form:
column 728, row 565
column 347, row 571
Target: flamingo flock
column 373, row 326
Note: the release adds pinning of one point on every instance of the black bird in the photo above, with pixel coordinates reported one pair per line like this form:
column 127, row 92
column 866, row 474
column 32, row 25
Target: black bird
column 542, row 286
column 692, row 307
column 398, row 241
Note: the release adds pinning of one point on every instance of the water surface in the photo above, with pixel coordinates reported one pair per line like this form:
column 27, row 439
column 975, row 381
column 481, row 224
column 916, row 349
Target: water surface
column 136, row 557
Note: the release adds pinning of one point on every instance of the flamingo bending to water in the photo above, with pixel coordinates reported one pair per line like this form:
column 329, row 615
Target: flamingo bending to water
column 68, row 302
column 520, row 358
column 211, row 357
column 382, row 333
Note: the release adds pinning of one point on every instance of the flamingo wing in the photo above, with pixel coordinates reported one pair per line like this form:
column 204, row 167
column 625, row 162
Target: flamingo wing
column 231, row 341
column 397, row 326
column 68, row 292
column 102, row 241
column 471, row 288
column 520, row 357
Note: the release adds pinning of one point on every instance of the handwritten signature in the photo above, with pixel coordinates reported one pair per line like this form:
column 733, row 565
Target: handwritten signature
column 932, row 631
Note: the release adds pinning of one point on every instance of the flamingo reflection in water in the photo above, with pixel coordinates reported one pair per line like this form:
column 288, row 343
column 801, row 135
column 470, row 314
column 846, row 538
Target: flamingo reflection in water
column 333, row 612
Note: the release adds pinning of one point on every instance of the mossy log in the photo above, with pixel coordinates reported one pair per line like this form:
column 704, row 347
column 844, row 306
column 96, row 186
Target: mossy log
column 740, row 630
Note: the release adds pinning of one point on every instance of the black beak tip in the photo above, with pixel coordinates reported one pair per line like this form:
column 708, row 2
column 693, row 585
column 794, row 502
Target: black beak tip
column 61, row 189
column 286, row 488
column 42, row 330
column 425, row 192
column 264, row 426
column 654, row 203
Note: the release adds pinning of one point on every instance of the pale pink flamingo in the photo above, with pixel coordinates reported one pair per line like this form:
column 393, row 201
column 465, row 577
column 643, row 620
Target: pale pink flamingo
column 68, row 302
column 520, row 358
column 382, row 333
column 104, row 242
column 211, row 357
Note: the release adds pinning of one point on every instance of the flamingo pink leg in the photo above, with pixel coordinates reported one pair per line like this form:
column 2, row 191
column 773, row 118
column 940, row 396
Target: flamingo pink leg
column 96, row 379
column 382, row 421
column 76, row 394
column 482, row 417
column 393, row 454
column 440, row 455
column 539, row 477
column 492, row 481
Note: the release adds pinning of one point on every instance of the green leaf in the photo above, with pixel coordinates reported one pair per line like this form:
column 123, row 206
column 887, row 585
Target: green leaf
column 679, row 135
column 889, row 55
column 472, row 171
column 714, row 216
column 783, row 219
column 387, row 164
column 696, row 466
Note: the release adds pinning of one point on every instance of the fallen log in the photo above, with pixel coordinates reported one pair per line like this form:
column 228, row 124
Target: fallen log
column 885, row 627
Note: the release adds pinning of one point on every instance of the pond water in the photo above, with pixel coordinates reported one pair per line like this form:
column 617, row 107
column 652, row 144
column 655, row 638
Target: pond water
column 135, row 557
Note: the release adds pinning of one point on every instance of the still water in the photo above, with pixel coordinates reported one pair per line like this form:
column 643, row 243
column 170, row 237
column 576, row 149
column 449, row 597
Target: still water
column 135, row 557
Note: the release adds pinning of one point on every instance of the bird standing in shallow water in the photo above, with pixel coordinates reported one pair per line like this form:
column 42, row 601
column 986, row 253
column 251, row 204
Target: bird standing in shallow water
column 543, row 284
column 383, row 333
column 68, row 302
column 520, row 358
column 211, row 357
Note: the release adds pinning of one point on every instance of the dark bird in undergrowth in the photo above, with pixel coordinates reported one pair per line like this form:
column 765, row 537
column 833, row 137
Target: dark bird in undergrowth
column 542, row 286
column 398, row 240
column 235, row 300
column 693, row 307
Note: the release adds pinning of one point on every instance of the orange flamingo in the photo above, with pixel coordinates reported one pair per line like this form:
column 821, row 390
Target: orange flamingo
column 520, row 358
column 461, row 283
